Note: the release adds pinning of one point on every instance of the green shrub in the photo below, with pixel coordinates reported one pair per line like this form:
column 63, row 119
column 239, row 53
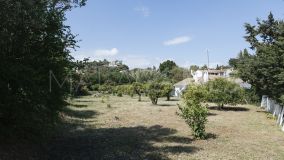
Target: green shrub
column 167, row 89
column 119, row 94
column 222, row 91
column 155, row 92
column 95, row 87
column 138, row 89
column 194, row 113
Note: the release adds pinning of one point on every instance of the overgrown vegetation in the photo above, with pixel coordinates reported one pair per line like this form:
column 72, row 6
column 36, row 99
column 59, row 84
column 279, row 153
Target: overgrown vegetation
column 35, row 45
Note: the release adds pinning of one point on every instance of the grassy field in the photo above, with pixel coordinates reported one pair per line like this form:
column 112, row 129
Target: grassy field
column 138, row 130
column 128, row 129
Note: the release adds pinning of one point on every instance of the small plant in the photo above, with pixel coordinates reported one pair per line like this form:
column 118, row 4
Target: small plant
column 194, row 113
column 105, row 98
column 119, row 94
column 108, row 105
column 195, row 116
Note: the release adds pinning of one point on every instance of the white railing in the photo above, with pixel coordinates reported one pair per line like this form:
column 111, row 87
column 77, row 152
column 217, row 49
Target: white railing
column 275, row 109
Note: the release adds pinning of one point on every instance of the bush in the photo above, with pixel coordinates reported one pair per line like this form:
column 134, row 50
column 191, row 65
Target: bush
column 33, row 52
column 95, row 87
column 167, row 89
column 119, row 94
column 105, row 89
column 194, row 113
column 155, row 92
column 222, row 91
column 138, row 89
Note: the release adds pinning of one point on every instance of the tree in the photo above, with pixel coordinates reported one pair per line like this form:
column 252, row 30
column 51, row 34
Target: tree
column 265, row 69
column 222, row 92
column 178, row 74
column 194, row 113
column 35, row 46
column 167, row 88
column 145, row 75
column 167, row 66
column 138, row 89
column 155, row 92
column 193, row 68
column 204, row 67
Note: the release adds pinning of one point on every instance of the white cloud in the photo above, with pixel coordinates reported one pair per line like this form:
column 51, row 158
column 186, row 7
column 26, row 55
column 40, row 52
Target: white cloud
column 144, row 11
column 106, row 52
column 177, row 40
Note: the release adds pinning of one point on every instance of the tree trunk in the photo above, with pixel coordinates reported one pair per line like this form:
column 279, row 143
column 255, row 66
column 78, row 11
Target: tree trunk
column 154, row 101
column 220, row 106
column 139, row 99
column 168, row 97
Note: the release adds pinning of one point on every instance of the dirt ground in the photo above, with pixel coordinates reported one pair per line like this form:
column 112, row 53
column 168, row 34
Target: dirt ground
column 127, row 129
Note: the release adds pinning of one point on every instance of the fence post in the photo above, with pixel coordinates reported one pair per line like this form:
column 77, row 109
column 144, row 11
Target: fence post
column 281, row 117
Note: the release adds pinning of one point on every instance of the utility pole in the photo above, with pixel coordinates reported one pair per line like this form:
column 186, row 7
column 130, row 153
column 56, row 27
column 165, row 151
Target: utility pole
column 207, row 59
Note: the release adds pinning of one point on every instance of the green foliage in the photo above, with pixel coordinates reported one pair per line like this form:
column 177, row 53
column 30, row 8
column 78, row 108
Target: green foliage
column 119, row 94
column 204, row 67
column 167, row 66
column 34, row 41
column 155, row 92
column 167, row 88
column 178, row 74
column 194, row 113
column 251, row 97
column 145, row 75
column 106, row 89
column 265, row 69
column 95, row 87
column 138, row 89
column 222, row 91
column 193, row 68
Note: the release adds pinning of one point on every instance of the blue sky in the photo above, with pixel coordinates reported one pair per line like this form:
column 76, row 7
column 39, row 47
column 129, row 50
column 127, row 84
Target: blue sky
column 144, row 33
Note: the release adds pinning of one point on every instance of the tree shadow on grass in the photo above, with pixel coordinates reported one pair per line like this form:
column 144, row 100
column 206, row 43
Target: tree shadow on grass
column 79, row 105
column 82, row 114
column 123, row 143
column 119, row 143
column 211, row 136
column 229, row 108
column 212, row 114
column 166, row 105
column 173, row 99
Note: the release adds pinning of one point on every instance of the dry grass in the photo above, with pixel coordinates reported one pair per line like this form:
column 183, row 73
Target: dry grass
column 138, row 130
column 128, row 129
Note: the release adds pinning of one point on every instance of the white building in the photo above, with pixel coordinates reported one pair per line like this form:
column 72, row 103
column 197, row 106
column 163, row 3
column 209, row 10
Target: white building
column 203, row 76
column 181, row 86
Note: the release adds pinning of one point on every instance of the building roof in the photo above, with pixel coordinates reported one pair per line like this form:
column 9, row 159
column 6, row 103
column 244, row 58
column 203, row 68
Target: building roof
column 185, row 82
